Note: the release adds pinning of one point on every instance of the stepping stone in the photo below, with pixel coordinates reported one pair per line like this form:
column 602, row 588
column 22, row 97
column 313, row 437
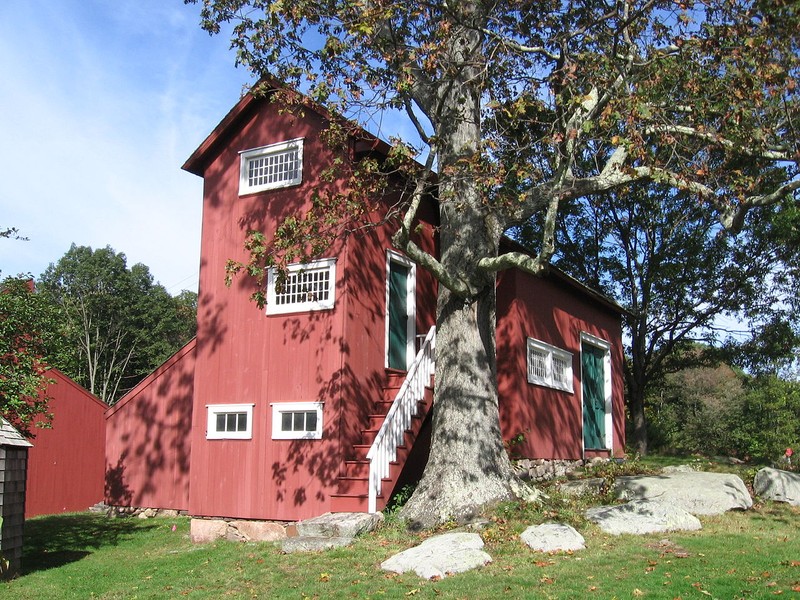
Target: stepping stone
column 339, row 524
column 641, row 517
column 553, row 537
column 440, row 556
column 697, row 492
column 314, row 543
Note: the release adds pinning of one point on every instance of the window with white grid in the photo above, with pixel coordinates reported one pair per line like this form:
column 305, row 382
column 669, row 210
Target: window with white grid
column 297, row 420
column 310, row 286
column 549, row 366
column 229, row 422
column 269, row 167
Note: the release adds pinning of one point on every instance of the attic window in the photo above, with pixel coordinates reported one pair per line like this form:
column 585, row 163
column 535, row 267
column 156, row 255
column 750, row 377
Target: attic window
column 230, row 422
column 297, row 421
column 270, row 167
column 310, row 286
column 549, row 366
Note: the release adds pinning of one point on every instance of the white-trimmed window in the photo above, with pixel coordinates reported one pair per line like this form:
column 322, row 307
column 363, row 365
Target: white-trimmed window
column 270, row 167
column 310, row 286
column 549, row 366
column 229, row 422
column 297, row 421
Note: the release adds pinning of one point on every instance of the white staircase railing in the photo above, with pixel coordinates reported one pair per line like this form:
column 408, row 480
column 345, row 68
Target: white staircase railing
column 384, row 449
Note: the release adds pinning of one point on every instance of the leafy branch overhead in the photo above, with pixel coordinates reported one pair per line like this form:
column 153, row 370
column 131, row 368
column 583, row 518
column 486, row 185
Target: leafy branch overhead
column 573, row 99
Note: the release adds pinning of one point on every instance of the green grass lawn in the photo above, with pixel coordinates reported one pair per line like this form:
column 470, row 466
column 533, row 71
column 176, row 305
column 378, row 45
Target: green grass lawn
column 753, row 554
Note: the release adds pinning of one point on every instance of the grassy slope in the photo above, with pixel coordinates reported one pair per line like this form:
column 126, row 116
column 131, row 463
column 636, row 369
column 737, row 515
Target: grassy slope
column 753, row 554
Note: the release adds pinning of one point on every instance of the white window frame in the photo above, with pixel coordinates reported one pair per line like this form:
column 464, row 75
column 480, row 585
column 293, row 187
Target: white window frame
column 212, row 433
column 246, row 156
column 325, row 264
column 605, row 346
column 279, row 408
column 550, row 354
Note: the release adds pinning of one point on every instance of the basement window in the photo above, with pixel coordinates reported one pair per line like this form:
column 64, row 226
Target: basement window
column 297, row 420
column 271, row 167
column 229, row 422
column 549, row 366
column 310, row 286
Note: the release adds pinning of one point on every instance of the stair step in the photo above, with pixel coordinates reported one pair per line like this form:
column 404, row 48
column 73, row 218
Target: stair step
column 349, row 503
column 356, row 468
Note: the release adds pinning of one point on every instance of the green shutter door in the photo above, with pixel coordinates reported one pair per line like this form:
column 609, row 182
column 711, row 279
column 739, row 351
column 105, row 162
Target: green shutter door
column 594, row 401
column 398, row 315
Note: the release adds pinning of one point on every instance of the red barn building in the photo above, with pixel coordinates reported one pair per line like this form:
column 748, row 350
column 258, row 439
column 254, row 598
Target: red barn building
column 66, row 463
column 281, row 412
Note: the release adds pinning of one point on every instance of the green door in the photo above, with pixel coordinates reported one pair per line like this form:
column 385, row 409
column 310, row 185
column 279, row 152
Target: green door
column 594, row 397
column 398, row 316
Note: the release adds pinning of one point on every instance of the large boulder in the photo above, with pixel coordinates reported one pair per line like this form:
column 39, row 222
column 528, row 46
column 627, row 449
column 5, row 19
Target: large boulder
column 553, row 537
column 778, row 485
column 641, row 517
column 440, row 556
column 696, row 492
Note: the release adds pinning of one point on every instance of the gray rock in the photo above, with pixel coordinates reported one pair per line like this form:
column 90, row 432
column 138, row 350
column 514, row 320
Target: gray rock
column 593, row 486
column 678, row 469
column 440, row 556
column 313, row 543
column 641, row 517
column 553, row 537
column 778, row 485
column 695, row 491
column 339, row 524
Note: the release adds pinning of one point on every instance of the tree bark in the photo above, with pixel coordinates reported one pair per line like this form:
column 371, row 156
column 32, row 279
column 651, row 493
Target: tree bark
column 636, row 393
column 468, row 467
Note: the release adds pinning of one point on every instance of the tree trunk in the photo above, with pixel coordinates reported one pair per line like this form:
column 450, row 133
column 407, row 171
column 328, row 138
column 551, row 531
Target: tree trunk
column 636, row 393
column 468, row 467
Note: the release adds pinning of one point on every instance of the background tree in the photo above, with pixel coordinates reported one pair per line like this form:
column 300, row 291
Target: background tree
column 522, row 107
column 665, row 258
column 119, row 324
column 26, row 321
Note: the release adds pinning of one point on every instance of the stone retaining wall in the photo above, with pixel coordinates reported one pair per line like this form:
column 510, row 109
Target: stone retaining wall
column 539, row 470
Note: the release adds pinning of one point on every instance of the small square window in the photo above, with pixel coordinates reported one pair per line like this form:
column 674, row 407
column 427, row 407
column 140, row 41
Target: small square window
column 230, row 422
column 271, row 167
column 297, row 420
column 549, row 366
column 307, row 286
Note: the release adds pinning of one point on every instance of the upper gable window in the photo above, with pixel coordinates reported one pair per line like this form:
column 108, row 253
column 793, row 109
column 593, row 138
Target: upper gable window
column 309, row 286
column 270, row 167
column 549, row 366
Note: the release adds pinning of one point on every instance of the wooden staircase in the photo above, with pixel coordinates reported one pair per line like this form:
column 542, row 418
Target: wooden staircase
column 405, row 402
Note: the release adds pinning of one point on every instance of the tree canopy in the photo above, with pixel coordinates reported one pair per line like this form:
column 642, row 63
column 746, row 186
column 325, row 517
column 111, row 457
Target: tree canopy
column 521, row 107
column 119, row 325
column 26, row 323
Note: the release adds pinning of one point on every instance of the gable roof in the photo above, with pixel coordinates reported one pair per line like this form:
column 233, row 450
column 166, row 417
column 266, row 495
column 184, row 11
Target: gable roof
column 11, row 437
column 262, row 91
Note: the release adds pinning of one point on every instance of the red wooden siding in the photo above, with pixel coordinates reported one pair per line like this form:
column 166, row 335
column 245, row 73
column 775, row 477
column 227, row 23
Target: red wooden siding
column 147, row 451
column 246, row 356
column 65, row 465
column 556, row 313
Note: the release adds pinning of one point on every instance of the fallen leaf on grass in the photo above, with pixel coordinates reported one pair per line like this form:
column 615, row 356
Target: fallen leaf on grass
column 413, row 592
column 638, row 593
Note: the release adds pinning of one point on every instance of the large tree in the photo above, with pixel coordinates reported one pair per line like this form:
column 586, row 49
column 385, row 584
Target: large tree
column 119, row 323
column 521, row 107
column 666, row 259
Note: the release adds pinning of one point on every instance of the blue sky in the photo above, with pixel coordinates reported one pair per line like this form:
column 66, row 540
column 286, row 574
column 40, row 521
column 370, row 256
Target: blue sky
column 101, row 102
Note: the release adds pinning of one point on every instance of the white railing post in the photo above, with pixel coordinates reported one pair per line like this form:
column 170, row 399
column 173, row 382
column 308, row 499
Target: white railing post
column 384, row 449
